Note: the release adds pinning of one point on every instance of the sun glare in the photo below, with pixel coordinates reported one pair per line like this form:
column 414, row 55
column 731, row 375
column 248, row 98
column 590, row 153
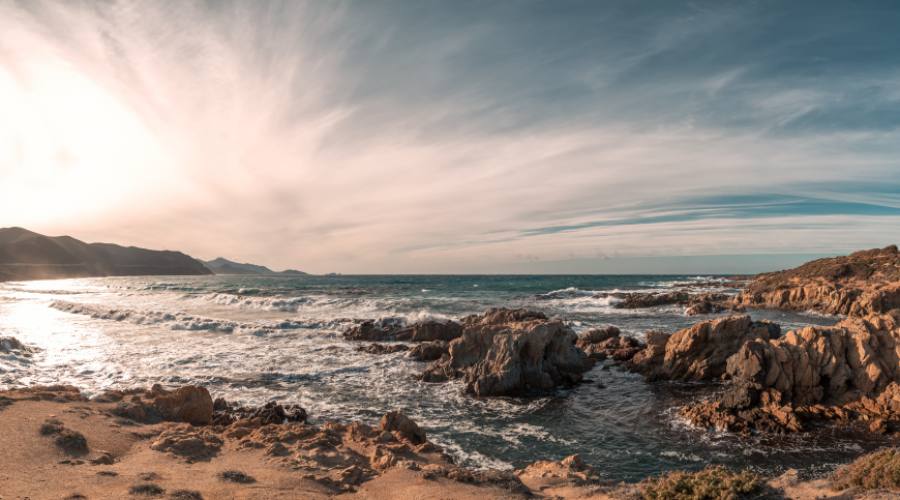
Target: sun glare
column 68, row 138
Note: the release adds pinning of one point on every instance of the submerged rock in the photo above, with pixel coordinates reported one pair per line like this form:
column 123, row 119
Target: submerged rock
column 510, row 352
column 429, row 351
column 382, row 348
column 388, row 329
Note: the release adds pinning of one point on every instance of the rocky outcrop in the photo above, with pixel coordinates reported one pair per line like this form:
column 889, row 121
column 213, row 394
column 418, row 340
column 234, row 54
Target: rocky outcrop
column 226, row 413
column 700, row 352
column 695, row 303
column 859, row 284
column 190, row 403
column 403, row 426
column 508, row 352
column 389, row 329
column 608, row 342
column 844, row 372
column 697, row 353
column 429, row 351
column 382, row 348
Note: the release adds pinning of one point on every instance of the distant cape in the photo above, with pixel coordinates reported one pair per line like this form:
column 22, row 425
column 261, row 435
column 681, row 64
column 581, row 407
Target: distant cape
column 28, row 255
column 221, row 265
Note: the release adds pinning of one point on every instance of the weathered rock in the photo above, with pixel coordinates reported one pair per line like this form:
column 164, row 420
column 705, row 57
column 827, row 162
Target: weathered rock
column 226, row 413
column 188, row 442
column 387, row 329
column 848, row 371
column 190, row 403
column 608, row 342
column 379, row 349
column 639, row 300
column 396, row 421
column 508, row 352
column 700, row 352
column 375, row 330
column 429, row 351
column 430, row 330
column 545, row 474
column 862, row 283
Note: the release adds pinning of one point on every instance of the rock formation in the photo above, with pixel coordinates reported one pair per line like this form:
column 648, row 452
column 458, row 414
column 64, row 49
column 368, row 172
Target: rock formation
column 387, row 329
column 190, row 404
column 850, row 370
column 509, row 352
column 697, row 353
column 862, row 283
column 429, row 351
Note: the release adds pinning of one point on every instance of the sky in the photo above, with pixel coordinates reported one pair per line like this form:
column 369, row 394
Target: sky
column 456, row 137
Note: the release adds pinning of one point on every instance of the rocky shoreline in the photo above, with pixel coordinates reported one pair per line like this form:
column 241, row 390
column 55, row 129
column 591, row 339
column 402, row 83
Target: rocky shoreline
column 769, row 381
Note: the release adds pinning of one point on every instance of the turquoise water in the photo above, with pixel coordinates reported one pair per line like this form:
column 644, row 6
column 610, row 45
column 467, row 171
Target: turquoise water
column 252, row 339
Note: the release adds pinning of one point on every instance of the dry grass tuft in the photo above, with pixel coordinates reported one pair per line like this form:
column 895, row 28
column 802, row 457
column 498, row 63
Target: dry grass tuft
column 711, row 483
column 878, row 470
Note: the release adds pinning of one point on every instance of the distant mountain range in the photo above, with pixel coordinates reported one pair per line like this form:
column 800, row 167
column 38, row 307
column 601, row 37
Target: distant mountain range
column 221, row 265
column 28, row 255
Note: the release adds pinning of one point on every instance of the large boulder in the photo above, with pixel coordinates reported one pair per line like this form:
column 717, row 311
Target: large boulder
column 403, row 426
column 511, row 352
column 191, row 404
column 859, row 284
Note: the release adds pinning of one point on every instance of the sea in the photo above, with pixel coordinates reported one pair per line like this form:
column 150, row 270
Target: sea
column 253, row 339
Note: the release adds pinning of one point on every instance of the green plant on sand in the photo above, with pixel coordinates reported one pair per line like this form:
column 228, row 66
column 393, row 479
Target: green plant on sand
column 711, row 483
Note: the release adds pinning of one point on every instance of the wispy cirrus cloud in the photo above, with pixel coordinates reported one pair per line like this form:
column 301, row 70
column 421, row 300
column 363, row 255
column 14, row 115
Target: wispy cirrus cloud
column 445, row 137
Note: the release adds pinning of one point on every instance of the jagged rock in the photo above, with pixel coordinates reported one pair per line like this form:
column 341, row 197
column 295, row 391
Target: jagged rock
column 639, row 300
column 429, row 351
column 387, row 329
column 396, row 421
column 226, row 413
column 430, row 330
column 700, row 352
column 508, row 352
column 608, row 342
column 862, row 283
column 375, row 330
column 850, row 370
column 190, row 403
column 382, row 348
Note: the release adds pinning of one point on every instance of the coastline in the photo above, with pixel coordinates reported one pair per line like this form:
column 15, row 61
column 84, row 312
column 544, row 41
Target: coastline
column 160, row 442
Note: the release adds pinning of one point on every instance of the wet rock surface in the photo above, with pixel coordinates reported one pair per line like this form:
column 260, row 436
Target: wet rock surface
column 225, row 413
column 429, row 351
column 511, row 352
column 392, row 329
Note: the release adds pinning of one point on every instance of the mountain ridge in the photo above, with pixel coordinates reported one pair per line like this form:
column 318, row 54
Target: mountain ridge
column 25, row 255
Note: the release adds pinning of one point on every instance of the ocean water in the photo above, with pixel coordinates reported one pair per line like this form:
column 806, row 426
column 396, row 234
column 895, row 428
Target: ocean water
column 253, row 339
